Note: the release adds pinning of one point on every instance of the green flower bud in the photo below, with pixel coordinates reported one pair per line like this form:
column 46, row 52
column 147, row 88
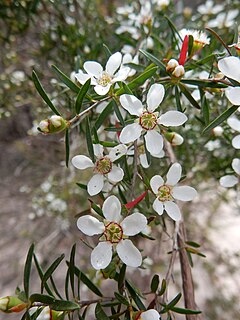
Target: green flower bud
column 12, row 304
column 54, row 124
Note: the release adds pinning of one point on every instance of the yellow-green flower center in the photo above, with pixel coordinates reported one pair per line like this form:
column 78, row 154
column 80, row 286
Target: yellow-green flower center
column 164, row 193
column 148, row 121
column 103, row 165
column 113, row 232
column 105, row 79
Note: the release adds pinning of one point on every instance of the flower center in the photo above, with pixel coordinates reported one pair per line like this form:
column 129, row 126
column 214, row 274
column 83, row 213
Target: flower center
column 113, row 232
column 148, row 121
column 105, row 79
column 103, row 165
column 164, row 193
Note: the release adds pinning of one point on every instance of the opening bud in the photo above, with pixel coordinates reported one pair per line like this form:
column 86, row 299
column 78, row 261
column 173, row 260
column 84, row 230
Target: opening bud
column 174, row 138
column 178, row 71
column 54, row 124
column 218, row 131
column 171, row 65
column 12, row 304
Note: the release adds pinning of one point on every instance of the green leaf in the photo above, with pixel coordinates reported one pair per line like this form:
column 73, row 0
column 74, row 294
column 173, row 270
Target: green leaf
column 82, row 186
column 185, row 311
column 40, row 272
column 174, row 301
column 103, row 115
column 204, row 83
column 153, row 59
column 188, row 95
column 89, row 140
column 71, row 268
column 99, row 313
column 96, row 140
column 121, row 298
column 121, row 278
column 27, row 270
column 226, row 114
column 64, row 305
column 87, row 281
column 193, row 244
column 205, row 108
column 126, row 88
column 82, row 93
column 67, row 147
column 135, row 296
column 50, row 270
column 66, row 80
column 43, row 298
column 97, row 209
column 107, row 50
column 190, row 44
column 163, row 287
column 118, row 113
column 137, row 82
column 178, row 101
column 155, row 283
column 43, row 94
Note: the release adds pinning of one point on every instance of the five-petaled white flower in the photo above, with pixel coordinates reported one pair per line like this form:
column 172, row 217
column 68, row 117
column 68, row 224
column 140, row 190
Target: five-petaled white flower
column 230, row 67
column 167, row 192
column 103, row 167
column 234, row 123
column 148, row 120
column 103, row 79
column 150, row 314
column 229, row 181
column 115, row 231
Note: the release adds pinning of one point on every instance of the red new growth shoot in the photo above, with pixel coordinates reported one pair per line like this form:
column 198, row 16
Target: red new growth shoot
column 184, row 50
column 133, row 203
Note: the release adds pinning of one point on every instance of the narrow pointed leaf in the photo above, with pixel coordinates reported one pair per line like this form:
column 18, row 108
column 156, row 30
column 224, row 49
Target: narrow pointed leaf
column 118, row 113
column 188, row 95
column 64, row 305
column 103, row 115
column 121, row 278
column 100, row 314
column 51, row 269
column 174, row 301
column 67, row 147
column 43, row 298
column 153, row 59
column 27, row 270
column 43, row 94
column 71, row 268
column 41, row 273
column 185, row 311
column 66, row 80
column 155, row 283
column 82, row 93
column 89, row 141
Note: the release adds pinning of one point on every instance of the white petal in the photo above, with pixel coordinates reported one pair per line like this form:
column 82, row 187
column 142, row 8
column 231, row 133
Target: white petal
column 100, row 90
column 159, row 155
column 134, row 224
column 154, row 142
column 117, row 152
column 234, row 123
column 122, row 74
column 172, row 210
column 83, row 77
column 236, row 165
column 132, row 104
column 230, row 67
column 150, row 315
column 90, row 225
column 158, row 206
column 95, row 184
column 130, row 133
column 112, row 209
column 184, row 193
column 113, row 63
column 228, row 181
column 101, row 255
column 156, row 182
column 233, row 95
column 129, row 254
column 236, row 142
column 98, row 150
column 174, row 174
column 172, row 118
column 144, row 161
column 82, row 162
column 155, row 96
column 93, row 68
column 116, row 174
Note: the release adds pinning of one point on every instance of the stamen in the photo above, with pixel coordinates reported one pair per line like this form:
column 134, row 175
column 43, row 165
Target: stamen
column 113, row 232
column 103, row 165
column 148, row 121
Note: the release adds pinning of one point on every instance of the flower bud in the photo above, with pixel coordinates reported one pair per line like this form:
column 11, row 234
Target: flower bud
column 174, row 138
column 53, row 125
column 171, row 65
column 178, row 71
column 12, row 304
column 47, row 314
column 217, row 131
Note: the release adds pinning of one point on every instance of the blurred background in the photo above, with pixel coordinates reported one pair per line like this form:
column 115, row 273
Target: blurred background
column 39, row 197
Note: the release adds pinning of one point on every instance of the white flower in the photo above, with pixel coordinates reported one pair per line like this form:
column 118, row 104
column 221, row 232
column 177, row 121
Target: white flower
column 224, row 19
column 127, row 58
column 103, row 167
column 199, row 37
column 148, row 120
column 102, row 80
column 234, row 123
column 209, row 7
column 231, row 180
column 161, row 4
column 150, row 314
column 167, row 192
column 230, row 67
column 115, row 230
